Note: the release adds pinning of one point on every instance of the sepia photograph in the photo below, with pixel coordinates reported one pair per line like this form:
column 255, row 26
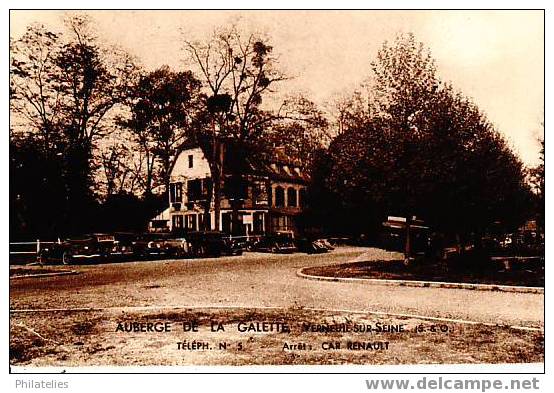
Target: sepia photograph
column 275, row 188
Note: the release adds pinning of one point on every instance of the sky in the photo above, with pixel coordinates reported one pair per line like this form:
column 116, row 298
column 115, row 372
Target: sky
column 494, row 57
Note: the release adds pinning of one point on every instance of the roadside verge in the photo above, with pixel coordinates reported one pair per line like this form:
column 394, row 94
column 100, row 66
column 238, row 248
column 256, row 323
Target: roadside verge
column 423, row 284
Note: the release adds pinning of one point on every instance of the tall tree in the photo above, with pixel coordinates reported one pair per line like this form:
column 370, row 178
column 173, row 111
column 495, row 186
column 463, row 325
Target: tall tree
column 537, row 183
column 165, row 109
column 238, row 72
column 423, row 149
column 92, row 81
column 63, row 88
column 35, row 100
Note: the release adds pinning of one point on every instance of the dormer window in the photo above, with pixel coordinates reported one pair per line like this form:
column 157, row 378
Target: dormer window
column 286, row 169
column 191, row 162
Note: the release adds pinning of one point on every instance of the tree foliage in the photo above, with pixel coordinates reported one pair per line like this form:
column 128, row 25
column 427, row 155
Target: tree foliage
column 406, row 144
column 165, row 108
column 421, row 148
column 63, row 87
column 300, row 128
column 536, row 177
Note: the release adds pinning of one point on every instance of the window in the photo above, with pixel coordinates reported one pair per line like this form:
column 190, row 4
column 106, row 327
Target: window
column 292, row 199
column 279, row 223
column 259, row 193
column 204, row 222
column 191, row 222
column 175, row 192
column 279, row 196
column 190, row 160
column 194, row 189
column 177, row 221
column 206, row 187
column 258, row 223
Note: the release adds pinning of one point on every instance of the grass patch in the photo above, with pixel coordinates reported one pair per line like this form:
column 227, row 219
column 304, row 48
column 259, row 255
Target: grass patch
column 532, row 276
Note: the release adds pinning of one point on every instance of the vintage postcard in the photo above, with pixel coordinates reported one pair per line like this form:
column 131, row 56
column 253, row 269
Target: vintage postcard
column 275, row 188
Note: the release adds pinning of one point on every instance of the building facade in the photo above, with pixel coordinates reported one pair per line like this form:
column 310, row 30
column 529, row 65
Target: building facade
column 257, row 198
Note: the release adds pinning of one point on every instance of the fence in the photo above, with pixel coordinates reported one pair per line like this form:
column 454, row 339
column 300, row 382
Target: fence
column 26, row 251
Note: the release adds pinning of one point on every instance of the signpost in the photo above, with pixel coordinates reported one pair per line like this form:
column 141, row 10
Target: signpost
column 408, row 224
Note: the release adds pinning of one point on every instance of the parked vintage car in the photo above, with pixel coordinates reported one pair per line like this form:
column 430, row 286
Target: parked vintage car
column 94, row 247
column 123, row 246
column 281, row 244
column 151, row 245
column 211, row 244
column 177, row 247
column 324, row 243
column 310, row 247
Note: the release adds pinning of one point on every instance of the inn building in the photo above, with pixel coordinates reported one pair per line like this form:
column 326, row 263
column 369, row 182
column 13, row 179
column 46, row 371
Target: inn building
column 258, row 196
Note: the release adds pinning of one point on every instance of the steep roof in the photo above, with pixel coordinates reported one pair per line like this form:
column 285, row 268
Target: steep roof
column 275, row 164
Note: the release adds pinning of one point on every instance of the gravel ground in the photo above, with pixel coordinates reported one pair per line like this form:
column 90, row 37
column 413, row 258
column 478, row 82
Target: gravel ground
column 257, row 279
column 92, row 339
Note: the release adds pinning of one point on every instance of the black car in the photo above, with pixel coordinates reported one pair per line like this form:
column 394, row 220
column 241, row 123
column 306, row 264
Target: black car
column 175, row 246
column 150, row 246
column 211, row 244
column 123, row 248
column 280, row 244
column 95, row 247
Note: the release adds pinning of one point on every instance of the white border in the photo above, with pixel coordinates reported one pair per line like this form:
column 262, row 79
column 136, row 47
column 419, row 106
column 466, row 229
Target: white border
column 243, row 383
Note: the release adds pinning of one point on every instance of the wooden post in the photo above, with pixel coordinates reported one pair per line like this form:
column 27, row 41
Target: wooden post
column 38, row 257
column 408, row 248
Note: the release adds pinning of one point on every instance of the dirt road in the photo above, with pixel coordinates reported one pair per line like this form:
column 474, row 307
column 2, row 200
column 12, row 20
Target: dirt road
column 255, row 280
